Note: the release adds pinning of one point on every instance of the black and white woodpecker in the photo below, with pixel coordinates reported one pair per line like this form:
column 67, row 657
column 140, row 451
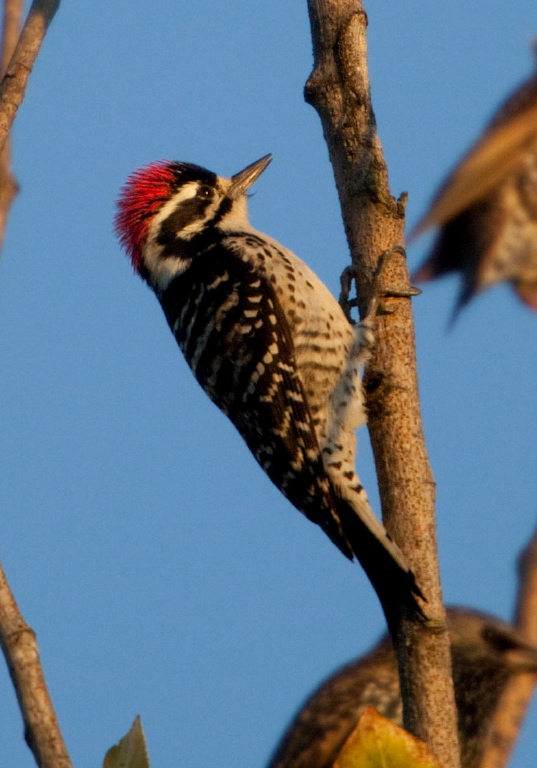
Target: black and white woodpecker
column 268, row 343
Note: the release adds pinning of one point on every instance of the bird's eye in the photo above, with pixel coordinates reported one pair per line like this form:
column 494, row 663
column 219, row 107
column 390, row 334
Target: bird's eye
column 205, row 192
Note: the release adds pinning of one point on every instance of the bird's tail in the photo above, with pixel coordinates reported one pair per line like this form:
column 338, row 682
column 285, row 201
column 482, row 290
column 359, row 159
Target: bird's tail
column 381, row 559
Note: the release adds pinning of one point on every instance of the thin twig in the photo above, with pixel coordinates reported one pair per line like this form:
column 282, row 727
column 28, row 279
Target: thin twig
column 514, row 703
column 18, row 643
column 10, row 35
column 338, row 88
column 10, row 31
column 17, row 639
column 13, row 86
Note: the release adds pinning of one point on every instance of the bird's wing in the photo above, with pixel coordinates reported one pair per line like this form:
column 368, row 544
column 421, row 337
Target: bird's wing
column 237, row 341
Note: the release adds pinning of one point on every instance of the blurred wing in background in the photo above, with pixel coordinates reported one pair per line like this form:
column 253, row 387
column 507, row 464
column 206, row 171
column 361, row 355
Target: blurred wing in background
column 487, row 207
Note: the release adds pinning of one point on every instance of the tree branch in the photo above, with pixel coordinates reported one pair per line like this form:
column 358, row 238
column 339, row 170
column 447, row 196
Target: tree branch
column 10, row 31
column 514, row 703
column 17, row 639
column 338, row 88
column 13, row 86
column 8, row 184
column 18, row 643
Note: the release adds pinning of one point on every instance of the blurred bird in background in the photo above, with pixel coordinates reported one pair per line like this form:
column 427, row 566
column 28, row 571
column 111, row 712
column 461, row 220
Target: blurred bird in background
column 486, row 654
column 487, row 207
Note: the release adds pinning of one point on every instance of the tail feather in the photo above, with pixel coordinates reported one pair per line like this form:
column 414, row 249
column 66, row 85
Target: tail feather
column 381, row 559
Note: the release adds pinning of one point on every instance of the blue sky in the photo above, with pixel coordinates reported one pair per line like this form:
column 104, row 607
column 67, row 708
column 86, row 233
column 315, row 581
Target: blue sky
column 163, row 573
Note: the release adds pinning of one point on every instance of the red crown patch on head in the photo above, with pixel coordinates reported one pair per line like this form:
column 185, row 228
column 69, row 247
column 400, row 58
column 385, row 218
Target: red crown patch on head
column 146, row 190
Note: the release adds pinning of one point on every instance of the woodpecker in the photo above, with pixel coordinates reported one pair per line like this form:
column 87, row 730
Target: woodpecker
column 486, row 654
column 268, row 343
column 487, row 207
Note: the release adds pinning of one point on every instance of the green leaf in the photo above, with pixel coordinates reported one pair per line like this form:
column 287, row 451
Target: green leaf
column 378, row 743
column 131, row 752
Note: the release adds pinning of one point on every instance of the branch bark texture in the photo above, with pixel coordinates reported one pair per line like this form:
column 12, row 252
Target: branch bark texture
column 338, row 88
column 19, row 646
column 14, row 82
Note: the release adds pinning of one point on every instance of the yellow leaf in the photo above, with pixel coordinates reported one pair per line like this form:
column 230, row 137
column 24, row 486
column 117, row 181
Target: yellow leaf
column 131, row 752
column 378, row 743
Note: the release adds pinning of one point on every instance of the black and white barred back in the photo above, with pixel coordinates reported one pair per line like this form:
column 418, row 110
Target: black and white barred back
column 273, row 350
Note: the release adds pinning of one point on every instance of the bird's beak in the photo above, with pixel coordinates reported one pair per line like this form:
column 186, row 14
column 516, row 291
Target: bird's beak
column 245, row 178
column 522, row 657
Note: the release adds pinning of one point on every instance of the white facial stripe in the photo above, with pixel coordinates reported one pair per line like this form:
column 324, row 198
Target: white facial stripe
column 187, row 192
column 192, row 229
column 162, row 271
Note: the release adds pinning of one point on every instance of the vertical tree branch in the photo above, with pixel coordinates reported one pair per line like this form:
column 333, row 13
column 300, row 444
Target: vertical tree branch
column 338, row 88
column 17, row 640
column 10, row 35
column 516, row 698
column 13, row 86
